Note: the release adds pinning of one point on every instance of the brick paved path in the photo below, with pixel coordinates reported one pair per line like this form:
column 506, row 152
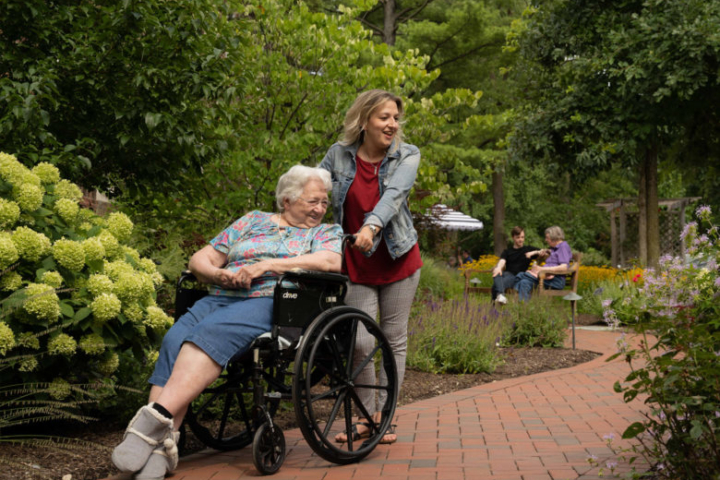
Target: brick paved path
column 539, row 427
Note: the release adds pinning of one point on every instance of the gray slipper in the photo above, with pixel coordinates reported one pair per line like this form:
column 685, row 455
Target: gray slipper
column 147, row 430
column 162, row 461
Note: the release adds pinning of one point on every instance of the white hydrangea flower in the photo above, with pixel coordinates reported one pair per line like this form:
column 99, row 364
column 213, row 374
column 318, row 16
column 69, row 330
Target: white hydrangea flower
column 67, row 189
column 10, row 282
column 157, row 319
column 128, row 287
column 7, row 338
column 42, row 302
column 31, row 245
column 157, row 279
column 106, row 306
column 11, row 170
column 46, row 172
column 94, row 249
column 152, row 357
column 67, row 209
column 132, row 253
column 54, row 279
column 28, row 340
column 8, row 253
column 147, row 265
column 28, row 364
column 117, row 268
column 109, row 366
column 120, row 226
column 111, row 244
column 98, row 284
column 92, row 344
column 28, row 196
column 59, row 389
column 9, row 213
column 62, row 344
column 134, row 312
column 70, row 254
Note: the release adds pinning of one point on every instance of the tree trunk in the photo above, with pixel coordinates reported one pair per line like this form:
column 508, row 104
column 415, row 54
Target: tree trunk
column 389, row 22
column 653, row 213
column 642, row 213
column 499, row 237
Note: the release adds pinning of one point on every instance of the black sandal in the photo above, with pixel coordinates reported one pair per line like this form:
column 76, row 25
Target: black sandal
column 355, row 434
column 389, row 431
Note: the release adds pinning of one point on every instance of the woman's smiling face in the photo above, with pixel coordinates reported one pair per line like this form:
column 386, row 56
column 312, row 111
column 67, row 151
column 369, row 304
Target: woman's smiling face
column 382, row 125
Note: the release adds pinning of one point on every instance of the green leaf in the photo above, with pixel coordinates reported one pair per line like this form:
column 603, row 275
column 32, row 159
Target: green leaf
column 82, row 313
column 633, row 430
column 67, row 310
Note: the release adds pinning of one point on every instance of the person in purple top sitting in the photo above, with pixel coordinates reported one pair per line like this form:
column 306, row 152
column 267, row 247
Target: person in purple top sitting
column 557, row 261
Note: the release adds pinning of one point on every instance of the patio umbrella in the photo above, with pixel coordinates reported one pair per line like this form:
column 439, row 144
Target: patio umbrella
column 452, row 220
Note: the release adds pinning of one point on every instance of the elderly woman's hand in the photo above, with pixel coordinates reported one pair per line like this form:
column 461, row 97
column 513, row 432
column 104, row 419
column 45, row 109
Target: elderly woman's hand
column 226, row 279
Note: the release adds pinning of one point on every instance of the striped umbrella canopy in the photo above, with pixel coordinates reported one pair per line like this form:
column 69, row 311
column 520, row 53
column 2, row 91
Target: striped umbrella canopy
column 450, row 219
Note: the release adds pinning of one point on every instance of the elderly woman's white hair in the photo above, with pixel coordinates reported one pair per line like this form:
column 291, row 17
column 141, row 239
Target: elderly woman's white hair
column 292, row 183
column 555, row 233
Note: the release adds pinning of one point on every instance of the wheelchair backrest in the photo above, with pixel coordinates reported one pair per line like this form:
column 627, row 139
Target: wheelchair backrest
column 300, row 296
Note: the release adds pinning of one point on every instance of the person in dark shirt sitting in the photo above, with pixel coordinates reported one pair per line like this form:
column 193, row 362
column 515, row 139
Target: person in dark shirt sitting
column 512, row 261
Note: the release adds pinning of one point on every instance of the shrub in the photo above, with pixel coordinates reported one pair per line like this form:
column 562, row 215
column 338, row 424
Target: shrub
column 66, row 279
column 439, row 281
column 677, row 368
column 457, row 336
column 536, row 323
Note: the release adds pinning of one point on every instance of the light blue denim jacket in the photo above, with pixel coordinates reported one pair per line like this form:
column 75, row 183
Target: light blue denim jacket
column 396, row 177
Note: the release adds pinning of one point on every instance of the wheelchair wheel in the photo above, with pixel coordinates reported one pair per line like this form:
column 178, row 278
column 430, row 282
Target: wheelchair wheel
column 268, row 449
column 325, row 384
column 221, row 417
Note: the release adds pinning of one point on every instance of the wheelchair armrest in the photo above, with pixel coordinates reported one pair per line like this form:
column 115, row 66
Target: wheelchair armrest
column 186, row 276
column 300, row 274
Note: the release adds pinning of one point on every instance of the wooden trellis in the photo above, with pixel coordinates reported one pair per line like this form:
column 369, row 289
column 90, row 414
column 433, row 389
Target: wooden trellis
column 624, row 216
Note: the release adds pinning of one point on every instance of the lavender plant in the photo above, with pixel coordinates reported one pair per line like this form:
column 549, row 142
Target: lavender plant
column 455, row 336
column 74, row 298
column 676, row 368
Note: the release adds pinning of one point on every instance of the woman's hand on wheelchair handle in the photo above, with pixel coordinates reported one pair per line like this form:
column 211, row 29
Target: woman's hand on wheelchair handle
column 363, row 239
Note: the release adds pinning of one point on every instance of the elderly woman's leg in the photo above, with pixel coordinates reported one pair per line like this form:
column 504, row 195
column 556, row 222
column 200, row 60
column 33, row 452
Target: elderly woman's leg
column 192, row 356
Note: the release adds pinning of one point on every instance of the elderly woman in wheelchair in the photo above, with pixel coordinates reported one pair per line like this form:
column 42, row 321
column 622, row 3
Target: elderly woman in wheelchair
column 242, row 264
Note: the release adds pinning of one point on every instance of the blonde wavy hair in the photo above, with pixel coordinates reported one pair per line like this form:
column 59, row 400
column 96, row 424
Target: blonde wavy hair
column 361, row 111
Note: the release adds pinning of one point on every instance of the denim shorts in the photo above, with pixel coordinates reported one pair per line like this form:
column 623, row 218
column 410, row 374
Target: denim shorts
column 223, row 327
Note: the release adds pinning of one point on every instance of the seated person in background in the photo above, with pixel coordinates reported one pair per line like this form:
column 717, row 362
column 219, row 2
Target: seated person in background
column 466, row 258
column 558, row 261
column 452, row 262
column 513, row 260
column 242, row 264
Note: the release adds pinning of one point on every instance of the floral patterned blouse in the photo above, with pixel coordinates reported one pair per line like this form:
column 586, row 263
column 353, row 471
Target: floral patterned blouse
column 255, row 237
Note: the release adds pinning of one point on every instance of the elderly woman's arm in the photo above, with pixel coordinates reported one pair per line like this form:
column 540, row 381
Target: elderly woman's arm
column 207, row 265
column 323, row 261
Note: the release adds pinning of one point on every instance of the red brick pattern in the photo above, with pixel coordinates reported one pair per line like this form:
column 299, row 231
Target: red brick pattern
column 540, row 427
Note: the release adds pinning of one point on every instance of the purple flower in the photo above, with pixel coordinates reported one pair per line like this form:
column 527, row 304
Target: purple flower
column 703, row 212
column 717, row 282
column 606, row 303
column 689, row 229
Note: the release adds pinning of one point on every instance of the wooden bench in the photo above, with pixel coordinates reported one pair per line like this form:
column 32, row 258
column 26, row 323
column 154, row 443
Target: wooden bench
column 571, row 281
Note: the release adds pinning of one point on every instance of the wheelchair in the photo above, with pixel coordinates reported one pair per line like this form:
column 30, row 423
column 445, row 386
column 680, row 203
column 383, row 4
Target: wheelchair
column 308, row 359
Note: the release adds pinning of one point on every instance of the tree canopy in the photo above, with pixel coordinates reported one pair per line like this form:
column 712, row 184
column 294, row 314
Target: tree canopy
column 122, row 94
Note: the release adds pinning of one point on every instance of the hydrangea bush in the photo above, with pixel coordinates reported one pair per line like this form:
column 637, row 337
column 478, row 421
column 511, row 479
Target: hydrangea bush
column 74, row 298
column 677, row 367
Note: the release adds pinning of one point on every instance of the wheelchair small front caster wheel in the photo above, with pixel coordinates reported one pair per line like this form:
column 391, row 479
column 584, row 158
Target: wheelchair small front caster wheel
column 268, row 449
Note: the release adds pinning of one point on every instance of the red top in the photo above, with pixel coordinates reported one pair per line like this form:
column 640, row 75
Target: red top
column 380, row 268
